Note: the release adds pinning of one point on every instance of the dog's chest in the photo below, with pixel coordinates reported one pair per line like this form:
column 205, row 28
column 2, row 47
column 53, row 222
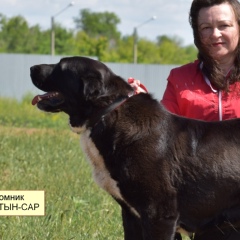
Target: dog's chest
column 100, row 172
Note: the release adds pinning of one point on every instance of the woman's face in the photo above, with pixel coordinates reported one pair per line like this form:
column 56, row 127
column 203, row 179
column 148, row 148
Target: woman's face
column 219, row 31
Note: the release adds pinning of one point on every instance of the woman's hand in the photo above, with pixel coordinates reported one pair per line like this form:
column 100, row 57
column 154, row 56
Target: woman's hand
column 137, row 86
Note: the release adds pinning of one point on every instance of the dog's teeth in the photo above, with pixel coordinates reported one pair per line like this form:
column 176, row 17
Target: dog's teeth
column 39, row 98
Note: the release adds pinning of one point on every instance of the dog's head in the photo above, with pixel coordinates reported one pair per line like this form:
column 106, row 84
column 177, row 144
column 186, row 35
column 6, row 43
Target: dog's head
column 78, row 86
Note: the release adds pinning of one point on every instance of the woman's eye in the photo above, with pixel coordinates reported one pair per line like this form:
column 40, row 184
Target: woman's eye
column 225, row 26
column 204, row 28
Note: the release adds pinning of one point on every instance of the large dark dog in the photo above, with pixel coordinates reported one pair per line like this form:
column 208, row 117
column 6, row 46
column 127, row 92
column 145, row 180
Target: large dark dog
column 165, row 171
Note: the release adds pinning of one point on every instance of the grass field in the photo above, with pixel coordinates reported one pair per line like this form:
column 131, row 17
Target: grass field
column 39, row 152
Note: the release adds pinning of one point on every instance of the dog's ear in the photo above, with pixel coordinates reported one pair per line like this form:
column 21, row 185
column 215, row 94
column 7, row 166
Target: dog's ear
column 92, row 85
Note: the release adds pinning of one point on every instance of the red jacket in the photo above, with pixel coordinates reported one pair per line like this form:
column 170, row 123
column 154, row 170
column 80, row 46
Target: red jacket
column 189, row 94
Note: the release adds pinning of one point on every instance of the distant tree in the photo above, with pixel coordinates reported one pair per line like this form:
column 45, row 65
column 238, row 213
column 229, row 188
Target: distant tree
column 16, row 36
column 164, row 38
column 64, row 42
column 171, row 51
column 3, row 42
column 98, row 36
column 14, row 33
column 124, row 50
column 147, row 52
column 87, row 46
column 98, row 24
column 191, row 51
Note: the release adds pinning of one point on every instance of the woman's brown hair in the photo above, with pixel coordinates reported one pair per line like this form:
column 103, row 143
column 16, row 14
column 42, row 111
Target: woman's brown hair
column 210, row 66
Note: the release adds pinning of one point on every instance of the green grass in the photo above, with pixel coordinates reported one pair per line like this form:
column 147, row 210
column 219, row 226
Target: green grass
column 39, row 152
column 23, row 114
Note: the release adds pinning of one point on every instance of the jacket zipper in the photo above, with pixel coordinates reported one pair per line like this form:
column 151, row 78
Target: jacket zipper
column 215, row 91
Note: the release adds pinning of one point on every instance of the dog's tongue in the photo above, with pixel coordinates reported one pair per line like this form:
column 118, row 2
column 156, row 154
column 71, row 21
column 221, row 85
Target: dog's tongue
column 48, row 95
column 36, row 99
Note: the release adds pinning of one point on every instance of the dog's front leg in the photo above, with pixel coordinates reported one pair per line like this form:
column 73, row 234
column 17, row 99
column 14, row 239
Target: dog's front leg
column 131, row 225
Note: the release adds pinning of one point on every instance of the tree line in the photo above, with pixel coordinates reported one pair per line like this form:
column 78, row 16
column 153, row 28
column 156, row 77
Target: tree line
column 94, row 34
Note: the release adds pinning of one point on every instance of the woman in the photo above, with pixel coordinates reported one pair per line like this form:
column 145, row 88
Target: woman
column 209, row 88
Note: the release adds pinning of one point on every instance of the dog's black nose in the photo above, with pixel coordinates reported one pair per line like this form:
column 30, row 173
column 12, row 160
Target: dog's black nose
column 33, row 68
column 35, row 75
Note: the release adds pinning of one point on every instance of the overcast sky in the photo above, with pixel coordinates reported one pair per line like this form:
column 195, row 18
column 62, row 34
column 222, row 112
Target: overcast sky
column 172, row 15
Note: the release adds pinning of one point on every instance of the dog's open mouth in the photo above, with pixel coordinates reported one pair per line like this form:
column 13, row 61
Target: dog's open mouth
column 48, row 100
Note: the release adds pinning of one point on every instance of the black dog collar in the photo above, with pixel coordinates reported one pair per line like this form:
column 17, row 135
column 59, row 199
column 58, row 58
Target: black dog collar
column 103, row 112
